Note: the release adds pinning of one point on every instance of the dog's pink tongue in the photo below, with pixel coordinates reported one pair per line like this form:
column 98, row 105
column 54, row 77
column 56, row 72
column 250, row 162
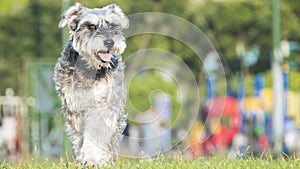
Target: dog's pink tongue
column 105, row 56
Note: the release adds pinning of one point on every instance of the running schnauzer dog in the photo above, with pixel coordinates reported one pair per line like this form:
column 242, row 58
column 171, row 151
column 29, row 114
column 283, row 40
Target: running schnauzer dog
column 89, row 78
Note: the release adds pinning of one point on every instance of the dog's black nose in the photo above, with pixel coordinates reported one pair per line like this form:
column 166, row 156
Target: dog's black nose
column 109, row 43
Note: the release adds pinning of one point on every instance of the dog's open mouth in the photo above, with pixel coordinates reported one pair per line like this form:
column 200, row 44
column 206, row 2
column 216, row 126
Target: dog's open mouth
column 104, row 56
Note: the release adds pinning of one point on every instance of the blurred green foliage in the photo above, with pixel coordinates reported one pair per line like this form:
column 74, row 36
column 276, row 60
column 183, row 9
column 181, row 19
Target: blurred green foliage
column 28, row 33
column 9, row 7
column 143, row 90
column 28, row 30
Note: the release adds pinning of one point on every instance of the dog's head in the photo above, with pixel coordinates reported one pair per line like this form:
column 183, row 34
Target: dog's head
column 96, row 33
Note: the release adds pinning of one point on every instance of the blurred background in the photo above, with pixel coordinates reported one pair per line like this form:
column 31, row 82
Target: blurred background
column 258, row 43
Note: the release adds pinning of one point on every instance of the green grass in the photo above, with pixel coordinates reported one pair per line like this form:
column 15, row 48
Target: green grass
column 162, row 163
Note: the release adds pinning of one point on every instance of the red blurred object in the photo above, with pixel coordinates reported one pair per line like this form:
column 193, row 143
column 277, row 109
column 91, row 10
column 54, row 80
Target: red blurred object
column 224, row 111
column 263, row 141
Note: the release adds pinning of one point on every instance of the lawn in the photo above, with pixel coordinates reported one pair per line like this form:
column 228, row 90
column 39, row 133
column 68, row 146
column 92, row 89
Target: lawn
column 162, row 163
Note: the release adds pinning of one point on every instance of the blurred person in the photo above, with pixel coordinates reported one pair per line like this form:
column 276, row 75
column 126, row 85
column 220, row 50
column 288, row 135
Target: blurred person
column 2, row 143
column 291, row 136
column 208, row 142
column 9, row 128
column 239, row 145
column 134, row 143
column 203, row 111
column 163, row 106
column 196, row 138
column 125, row 143
column 150, row 131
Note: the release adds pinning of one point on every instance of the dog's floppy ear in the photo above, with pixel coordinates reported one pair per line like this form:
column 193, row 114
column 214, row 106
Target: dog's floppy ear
column 118, row 11
column 70, row 14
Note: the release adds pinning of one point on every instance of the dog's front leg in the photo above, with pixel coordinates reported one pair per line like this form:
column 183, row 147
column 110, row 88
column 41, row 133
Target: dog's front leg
column 74, row 128
column 96, row 141
column 64, row 82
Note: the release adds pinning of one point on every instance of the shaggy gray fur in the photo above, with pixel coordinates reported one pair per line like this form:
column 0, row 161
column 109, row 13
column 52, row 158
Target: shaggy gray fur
column 89, row 79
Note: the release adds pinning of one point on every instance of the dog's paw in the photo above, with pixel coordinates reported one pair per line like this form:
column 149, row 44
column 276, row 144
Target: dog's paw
column 96, row 164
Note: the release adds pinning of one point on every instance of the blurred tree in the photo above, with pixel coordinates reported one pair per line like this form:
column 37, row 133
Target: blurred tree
column 30, row 33
column 12, row 7
column 19, row 40
column 143, row 89
column 228, row 23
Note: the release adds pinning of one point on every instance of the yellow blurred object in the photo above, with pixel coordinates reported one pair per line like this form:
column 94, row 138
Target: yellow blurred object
column 196, row 133
column 215, row 124
column 294, row 107
column 252, row 103
column 267, row 99
column 293, row 103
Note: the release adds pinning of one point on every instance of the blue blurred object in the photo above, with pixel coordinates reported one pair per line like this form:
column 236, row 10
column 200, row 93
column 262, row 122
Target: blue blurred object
column 285, row 75
column 292, row 65
column 230, row 91
column 210, row 84
column 294, row 46
column 241, row 88
column 251, row 57
column 258, row 84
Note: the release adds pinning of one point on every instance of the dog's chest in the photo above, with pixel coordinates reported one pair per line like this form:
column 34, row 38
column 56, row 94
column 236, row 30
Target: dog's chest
column 93, row 96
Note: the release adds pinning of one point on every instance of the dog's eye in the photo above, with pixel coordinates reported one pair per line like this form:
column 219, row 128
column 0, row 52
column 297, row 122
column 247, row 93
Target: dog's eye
column 92, row 27
column 114, row 26
column 111, row 27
